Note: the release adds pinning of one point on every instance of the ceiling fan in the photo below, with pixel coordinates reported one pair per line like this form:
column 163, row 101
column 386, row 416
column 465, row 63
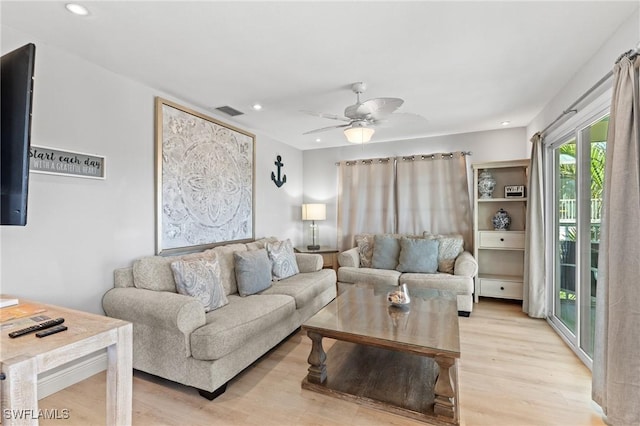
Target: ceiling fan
column 360, row 117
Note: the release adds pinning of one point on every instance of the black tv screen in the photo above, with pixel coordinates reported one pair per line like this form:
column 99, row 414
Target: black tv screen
column 16, row 91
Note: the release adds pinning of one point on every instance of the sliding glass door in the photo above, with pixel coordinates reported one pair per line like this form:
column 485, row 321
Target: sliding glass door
column 578, row 162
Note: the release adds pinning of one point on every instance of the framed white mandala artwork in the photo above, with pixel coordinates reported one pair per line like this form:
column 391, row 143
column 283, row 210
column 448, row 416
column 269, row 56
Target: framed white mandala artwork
column 204, row 180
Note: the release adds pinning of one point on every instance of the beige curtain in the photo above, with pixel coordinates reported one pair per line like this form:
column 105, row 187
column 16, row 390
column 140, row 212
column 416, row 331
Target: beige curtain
column 366, row 197
column 433, row 195
column 616, row 362
column 534, row 298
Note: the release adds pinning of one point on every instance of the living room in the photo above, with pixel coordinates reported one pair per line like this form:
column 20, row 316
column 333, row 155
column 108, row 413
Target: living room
column 80, row 230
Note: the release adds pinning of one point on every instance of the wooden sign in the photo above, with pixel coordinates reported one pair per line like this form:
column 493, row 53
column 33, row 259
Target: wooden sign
column 69, row 163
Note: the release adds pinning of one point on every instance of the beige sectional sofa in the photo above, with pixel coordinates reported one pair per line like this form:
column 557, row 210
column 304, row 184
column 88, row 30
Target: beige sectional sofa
column 461, row 269
column 173, row 336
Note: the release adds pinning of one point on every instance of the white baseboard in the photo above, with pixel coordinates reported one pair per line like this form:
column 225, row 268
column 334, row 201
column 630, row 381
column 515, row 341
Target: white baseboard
column 71, row 374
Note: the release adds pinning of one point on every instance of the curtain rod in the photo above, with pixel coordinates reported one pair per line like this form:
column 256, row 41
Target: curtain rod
column 571, row 108
column 408, row 157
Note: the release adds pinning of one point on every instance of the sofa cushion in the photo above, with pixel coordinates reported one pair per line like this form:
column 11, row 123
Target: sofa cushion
column 364, row 242
column 253, row 271
column 234, row 325
column 154, row 273
column 449, row 247
column 440, row 281
column 283, row 259
column 386, row 250
column 304, row 287
column 418, row 255
column 261, row 243
column 227, row 265
column 200, row 278
column 350, row 274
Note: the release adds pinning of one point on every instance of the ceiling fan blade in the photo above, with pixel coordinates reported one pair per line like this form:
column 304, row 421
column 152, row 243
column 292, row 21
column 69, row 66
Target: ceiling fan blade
column 324, row 115
column 400, row 119
column 380, row 107
column 324, row 129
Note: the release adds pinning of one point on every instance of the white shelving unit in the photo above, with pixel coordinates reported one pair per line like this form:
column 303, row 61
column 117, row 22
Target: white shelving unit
column 500, row 254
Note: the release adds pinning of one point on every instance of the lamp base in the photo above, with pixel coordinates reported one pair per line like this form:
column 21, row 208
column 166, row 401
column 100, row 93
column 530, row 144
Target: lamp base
column 313, row 247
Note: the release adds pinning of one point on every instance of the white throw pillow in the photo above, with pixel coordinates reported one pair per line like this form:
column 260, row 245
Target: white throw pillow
column 449, row 248
column 365, row 248
column 283, row 259
column 200, row 278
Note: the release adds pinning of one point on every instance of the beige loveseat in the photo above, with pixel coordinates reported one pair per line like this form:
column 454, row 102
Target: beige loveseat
column 174, row 338
column 455, row 273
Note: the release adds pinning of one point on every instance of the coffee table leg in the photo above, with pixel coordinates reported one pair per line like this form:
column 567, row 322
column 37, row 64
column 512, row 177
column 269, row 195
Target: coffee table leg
column 317, row 357
column 444, row 390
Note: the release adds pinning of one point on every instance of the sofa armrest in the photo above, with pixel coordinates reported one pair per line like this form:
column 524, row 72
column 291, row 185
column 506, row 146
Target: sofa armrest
column 159, row 309
column 466, row 265
column 309, row 262
column 350, row 257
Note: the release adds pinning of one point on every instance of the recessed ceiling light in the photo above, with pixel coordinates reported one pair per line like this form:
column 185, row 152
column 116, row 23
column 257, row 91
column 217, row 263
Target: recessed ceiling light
column 505, row 123
column 77, row 9
column 318, row 140
column 256, row 107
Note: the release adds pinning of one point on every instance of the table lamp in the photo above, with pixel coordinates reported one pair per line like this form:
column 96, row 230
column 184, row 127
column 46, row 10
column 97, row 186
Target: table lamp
column 314, row 212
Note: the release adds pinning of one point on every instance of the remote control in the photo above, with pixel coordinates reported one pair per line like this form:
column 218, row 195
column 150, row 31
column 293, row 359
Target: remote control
column 37, row 327
column 52, row 330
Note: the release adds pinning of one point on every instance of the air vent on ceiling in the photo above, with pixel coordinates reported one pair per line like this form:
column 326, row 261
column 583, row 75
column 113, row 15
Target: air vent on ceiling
column 229, row 111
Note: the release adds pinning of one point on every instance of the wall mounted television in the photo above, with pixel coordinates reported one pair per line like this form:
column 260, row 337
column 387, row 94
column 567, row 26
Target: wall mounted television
column 16, row 99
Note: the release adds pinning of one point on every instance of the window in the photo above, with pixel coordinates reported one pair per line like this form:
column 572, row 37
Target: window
column 575, row 165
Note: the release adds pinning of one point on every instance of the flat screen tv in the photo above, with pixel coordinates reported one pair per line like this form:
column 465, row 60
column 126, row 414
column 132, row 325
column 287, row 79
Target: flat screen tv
column 16, row 97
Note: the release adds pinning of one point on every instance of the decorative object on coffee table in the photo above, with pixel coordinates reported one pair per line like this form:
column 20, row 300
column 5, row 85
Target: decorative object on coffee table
column 501, row 220
column 486, row 184
column 314, row 212
column 399, row 297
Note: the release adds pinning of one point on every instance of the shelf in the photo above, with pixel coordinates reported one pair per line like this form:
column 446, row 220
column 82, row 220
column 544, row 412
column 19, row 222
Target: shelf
column 500, row 254
column 502, row 231
column 500, row 200
column 513, row 278
column 501, row 248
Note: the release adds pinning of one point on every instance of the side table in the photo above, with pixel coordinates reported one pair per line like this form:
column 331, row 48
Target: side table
column 329, row 256
column 24, row 357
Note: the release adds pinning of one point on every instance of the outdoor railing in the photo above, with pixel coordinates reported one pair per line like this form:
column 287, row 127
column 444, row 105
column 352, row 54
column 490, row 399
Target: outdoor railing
column 568, row 210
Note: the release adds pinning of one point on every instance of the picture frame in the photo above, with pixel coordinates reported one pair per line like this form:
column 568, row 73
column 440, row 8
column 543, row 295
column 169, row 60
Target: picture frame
column 205, row 180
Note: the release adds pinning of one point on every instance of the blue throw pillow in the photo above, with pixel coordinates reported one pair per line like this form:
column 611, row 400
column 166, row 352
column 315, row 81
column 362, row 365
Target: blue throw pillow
column 418, row 255
column 253, row 271
column 386, row 250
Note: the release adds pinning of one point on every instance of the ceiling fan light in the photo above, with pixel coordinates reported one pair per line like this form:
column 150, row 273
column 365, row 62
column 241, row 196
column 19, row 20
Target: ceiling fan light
column 358, row 134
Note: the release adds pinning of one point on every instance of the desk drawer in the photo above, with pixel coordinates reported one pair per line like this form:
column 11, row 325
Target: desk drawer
column 502, row 239
column 500, row 288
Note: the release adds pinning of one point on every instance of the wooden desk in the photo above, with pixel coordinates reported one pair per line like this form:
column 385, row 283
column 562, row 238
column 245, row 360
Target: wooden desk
column 23, row 358
column 329, row 256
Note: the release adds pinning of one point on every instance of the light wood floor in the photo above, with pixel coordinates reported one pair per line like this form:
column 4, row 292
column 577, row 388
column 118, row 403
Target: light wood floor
column 514, row 371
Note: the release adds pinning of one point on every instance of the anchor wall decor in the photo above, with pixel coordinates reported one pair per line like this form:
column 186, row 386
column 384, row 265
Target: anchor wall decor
column 280, row 180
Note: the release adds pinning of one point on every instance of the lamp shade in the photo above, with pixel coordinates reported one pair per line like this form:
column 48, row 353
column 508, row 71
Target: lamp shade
column 314, row 211
column 358, row 134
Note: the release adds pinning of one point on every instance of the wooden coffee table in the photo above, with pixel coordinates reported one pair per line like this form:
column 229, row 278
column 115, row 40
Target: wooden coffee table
column 401, row 360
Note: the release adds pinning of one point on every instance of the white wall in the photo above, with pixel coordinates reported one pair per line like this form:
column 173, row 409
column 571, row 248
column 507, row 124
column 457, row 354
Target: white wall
column 625, row 38
column 320, row 171
column 79, row 230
